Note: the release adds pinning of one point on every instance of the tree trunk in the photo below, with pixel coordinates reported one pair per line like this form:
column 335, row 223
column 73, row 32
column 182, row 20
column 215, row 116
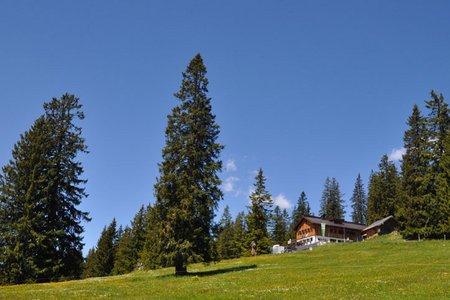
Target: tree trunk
column 180, row 266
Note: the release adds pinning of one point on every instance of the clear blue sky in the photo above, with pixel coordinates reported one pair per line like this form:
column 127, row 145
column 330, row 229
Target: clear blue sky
column 303, row 89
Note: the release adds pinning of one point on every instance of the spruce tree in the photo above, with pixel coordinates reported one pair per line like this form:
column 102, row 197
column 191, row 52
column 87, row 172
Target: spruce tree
column 138, row 232
column 384, row 191
column 89, row 264
column 438, row 173
column 374, row 198
column 325, row 198
column 21, row 220
column 227, row 244
column 259, row 217
column 125, row 253
column 417, row 155
column 280, row 227
column 414, row 211
column 105, row 251
column 301, row 209
column 359, row 202
column 187, row 191
column 332, row 204
column 40, row 190
column 65, row 190
column 240, row 235
column 150, row 255
column 286, row 220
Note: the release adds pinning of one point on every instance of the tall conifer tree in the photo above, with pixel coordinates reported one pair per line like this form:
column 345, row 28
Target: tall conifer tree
column 280, row 226
column 438, row 175
column 227, row 245
column 150, row 256
column 384, row 191
column 325, row 198
column 65, row 187
column 125, row 253
column 414, row 211
column 240, row 233
column 187, row 191
column 301, row 209
column 105, row 252
column 22, row 258
column 359, row 202
column 138, row 235
column 40, row 190
column 332, row 204
column 259, row 217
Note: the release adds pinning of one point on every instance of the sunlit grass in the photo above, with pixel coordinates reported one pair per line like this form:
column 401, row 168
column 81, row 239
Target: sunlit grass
column 383, row 268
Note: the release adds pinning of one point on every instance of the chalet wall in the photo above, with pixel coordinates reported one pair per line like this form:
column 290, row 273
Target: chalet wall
column 307, row 229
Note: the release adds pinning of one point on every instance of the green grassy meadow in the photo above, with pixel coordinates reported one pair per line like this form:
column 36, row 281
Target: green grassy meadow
column 383, row 268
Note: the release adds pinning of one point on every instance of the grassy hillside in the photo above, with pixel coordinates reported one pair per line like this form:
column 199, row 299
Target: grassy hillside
column 383, row 268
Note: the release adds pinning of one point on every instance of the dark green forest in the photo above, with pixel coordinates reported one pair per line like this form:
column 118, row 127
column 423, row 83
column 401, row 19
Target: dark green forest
column 42, row 187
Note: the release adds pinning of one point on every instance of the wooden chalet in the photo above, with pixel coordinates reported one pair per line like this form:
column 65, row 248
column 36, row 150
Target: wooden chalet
column 315, row 230
column 383, row 226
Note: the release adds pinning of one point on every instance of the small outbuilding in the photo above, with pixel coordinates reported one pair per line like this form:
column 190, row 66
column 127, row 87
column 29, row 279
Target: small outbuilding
column 277, row 249
column 383, row 226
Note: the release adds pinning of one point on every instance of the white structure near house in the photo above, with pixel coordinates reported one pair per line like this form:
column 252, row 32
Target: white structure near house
column 277, row 249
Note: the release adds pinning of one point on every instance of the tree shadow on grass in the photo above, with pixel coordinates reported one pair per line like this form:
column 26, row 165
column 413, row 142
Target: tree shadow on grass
column 222, row 271
column 214, row 272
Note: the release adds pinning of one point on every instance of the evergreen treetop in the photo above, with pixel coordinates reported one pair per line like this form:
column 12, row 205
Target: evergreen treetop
column 301, row 209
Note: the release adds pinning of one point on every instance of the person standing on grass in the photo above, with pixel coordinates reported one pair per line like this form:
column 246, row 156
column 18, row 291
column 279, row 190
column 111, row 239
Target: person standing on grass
column 253, row 245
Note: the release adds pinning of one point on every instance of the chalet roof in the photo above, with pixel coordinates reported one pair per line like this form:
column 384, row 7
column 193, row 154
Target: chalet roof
column 343, row 224
column 378, row 223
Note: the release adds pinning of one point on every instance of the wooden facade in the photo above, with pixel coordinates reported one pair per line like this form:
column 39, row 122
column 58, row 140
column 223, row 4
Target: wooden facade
column 383, row 226
column 335, row 230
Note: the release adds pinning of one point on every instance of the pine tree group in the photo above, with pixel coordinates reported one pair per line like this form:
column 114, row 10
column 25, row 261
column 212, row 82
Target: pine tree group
column 100, row 261
column 227, row 243
column 384, row 191
column 332, row 204
column 425, row 206
column 280, row 230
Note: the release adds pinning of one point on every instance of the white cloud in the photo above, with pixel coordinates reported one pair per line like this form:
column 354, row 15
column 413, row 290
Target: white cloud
column 228, row 184
column 281, row 201
column 230, row 166
column 397, row 154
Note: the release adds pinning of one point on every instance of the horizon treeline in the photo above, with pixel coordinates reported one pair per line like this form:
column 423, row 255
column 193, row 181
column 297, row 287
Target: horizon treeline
column 41, row 188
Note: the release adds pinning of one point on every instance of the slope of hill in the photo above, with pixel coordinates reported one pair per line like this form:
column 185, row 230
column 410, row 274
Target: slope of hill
column 382, row 268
